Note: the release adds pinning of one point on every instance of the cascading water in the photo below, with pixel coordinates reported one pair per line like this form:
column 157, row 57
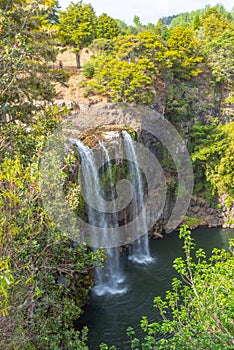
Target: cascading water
column 140, row 249
column 108, row 279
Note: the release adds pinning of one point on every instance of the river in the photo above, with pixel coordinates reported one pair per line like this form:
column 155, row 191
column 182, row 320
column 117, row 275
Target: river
column 108, row 317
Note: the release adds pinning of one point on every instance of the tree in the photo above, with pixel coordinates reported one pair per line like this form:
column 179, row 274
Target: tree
column 196, row 22
column 219, row 57
column 219, row 46
column 129, row 77
column 144, row 44
column 124, row 81
column 27, row 49
column 215, row 25
column 162, row 30
column 101, row 46
column 123, row 27
column 201, row 136
column 182, row 20
column 183, row 101
column 107, row 27
column 167, row 20
column 216, row 155
column 138, row 26
column 130, row 82
column 77, row 27
column 183, row 55
column 211, row 11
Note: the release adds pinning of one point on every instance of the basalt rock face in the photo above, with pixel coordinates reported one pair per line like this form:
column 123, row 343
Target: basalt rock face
column 212, row 215
column 201, row 212
column 107, row 116
column 105, row 122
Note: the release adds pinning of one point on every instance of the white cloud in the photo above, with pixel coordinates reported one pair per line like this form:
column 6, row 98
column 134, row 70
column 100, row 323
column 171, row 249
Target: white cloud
column 147, row 10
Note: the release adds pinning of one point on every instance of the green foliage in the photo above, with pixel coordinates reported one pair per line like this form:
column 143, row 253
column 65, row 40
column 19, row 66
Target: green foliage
column 183, row 101
column 196, row 22
column 6, row 281
column 26, row 48
column 215, row 25
column 44, row 277
column 77, row 27
column 129, row 77
column 220, row 53
column 105, row 347
column 127, row 82
column 218, row 45
column 183, row 55
column 199, row 137
column 139, row 59
column 88, row 70
column 216, row 154
column 101, row 46
column 165, row 33
column 228, row 202
column 182, row 20
column 202, row 134
column 191, row 222
column 146, row 44
column 130, row 82
column 107, row 27
column 137, row 26
column 167, row 20
column 123, row 27
column 198, row 311
column 194, row 18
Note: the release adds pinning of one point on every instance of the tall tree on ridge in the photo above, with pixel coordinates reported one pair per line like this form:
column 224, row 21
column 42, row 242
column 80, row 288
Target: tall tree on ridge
column 77, row 27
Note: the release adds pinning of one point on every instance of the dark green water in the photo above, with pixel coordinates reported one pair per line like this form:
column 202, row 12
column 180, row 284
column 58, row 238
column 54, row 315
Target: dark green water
column 109, row 317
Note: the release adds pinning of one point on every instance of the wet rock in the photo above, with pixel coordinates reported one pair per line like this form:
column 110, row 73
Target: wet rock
column 157, row 235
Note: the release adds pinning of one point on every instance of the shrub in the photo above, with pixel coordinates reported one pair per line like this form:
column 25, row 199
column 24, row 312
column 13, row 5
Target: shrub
column 88, row 70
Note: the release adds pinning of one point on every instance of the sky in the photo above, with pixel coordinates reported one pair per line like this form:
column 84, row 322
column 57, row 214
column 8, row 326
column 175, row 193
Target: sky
column 149, row 11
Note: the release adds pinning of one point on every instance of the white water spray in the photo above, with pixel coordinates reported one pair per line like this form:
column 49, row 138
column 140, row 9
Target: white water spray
column 140, row 249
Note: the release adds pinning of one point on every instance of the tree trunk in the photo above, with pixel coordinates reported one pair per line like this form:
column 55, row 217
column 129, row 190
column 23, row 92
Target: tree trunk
column 78, row 60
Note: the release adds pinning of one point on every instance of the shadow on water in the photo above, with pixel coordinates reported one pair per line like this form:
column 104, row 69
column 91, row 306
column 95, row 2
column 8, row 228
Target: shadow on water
column 108, row 317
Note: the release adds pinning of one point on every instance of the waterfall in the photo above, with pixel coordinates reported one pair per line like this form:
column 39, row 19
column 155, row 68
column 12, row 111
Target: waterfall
column 109, row 279
column 140, row 250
